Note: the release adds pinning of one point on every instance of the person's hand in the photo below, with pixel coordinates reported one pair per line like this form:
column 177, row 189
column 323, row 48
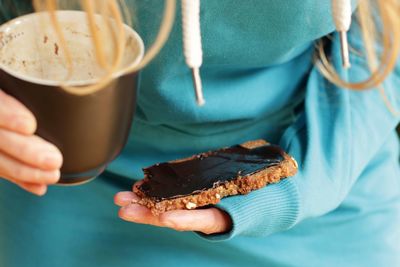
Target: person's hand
column 207, row 221
column 25, row 159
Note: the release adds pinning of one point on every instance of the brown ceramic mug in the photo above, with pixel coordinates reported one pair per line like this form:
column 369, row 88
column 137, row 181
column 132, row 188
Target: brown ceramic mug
column 90, row 130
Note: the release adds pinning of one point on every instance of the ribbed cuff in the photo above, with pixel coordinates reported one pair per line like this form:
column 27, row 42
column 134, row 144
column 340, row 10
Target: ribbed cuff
column 262, row 212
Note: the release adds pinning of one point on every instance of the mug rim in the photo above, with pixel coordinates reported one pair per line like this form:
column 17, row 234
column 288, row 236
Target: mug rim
column 46, row 82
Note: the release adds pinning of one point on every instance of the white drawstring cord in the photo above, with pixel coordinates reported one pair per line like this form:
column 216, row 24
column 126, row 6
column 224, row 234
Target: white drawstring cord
column 192, row 47
column 341, row 10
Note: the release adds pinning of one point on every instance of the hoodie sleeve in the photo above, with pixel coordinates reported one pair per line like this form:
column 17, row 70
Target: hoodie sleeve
column 333, row 139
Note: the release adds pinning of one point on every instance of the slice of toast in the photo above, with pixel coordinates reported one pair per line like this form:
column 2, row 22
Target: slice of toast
column 206, row 178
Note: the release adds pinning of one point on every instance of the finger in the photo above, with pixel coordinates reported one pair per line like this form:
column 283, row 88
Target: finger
column 137, row 184
column 138, row 214
column 14, row 170
column 14, row 116
column 37, row 189
column 208, row 221
column 125, row 198
column 31, row 150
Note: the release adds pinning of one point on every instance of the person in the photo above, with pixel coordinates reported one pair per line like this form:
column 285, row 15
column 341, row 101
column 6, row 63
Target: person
column 260, row 81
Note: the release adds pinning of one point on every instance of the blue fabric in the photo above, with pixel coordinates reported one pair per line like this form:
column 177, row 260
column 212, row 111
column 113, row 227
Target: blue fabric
column 334, row 142
column 343, row 207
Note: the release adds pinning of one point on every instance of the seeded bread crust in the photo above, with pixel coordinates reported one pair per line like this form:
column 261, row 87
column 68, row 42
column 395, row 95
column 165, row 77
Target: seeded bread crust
column 240, row 185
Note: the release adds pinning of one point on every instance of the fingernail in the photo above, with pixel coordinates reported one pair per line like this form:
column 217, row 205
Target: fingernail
column 125, row 196
column 129, row 211
column 24, row 125
column 52, row 177
column 41, row 192
column 126, row 213
column 52, row 159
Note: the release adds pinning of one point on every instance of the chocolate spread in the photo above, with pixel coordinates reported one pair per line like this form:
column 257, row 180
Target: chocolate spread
column 208, row 170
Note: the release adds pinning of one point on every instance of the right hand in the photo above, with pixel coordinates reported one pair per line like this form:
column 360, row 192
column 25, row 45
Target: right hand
column 25, row 159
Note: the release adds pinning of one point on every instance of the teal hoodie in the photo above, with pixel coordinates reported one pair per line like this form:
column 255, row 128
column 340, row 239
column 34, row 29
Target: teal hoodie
column 341, row 209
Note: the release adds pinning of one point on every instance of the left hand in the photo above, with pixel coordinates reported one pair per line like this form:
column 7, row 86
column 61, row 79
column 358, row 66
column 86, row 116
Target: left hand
column 207, row 221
